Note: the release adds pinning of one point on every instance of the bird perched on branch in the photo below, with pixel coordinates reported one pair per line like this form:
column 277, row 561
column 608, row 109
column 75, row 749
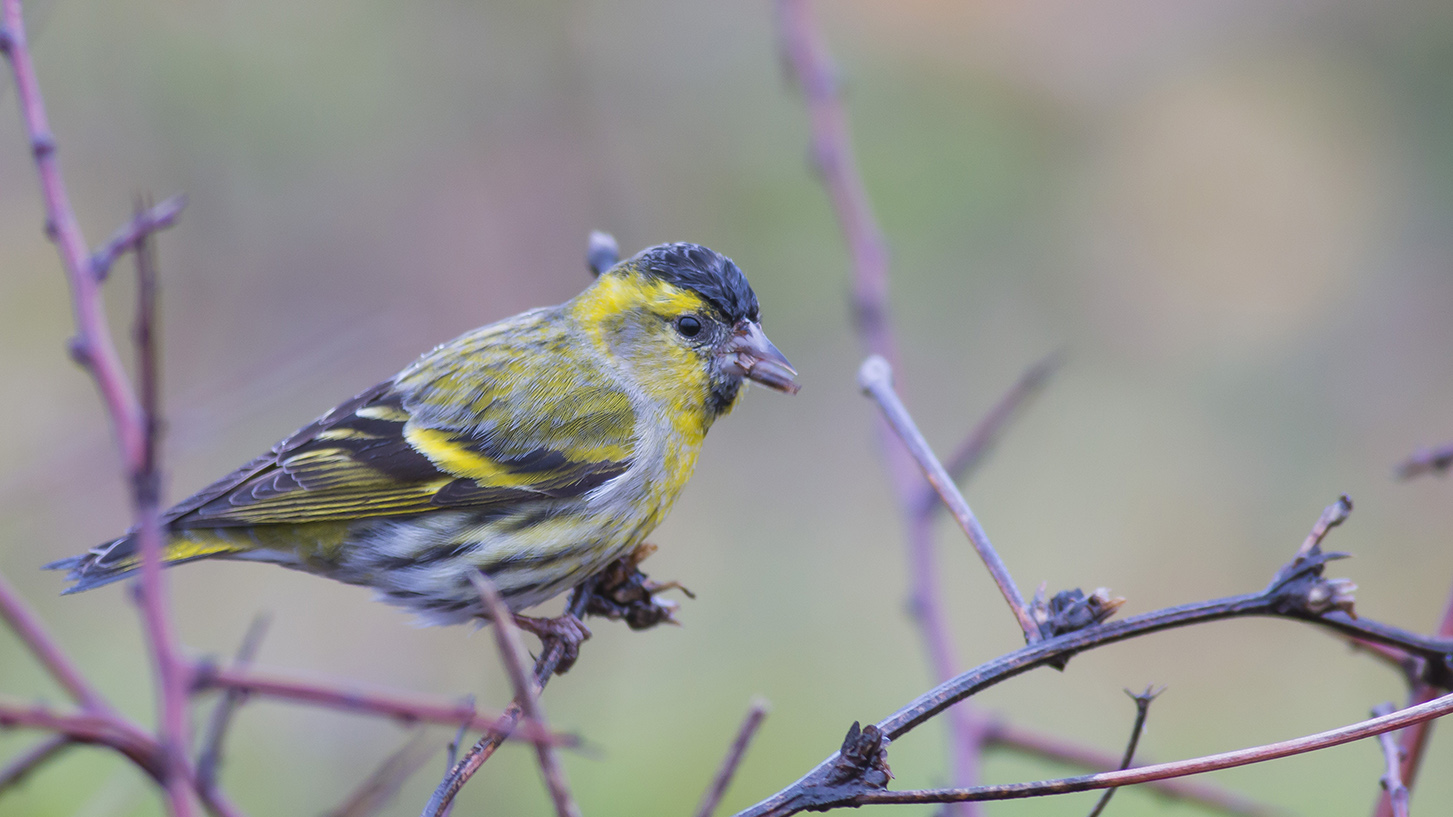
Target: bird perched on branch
column 537, row 449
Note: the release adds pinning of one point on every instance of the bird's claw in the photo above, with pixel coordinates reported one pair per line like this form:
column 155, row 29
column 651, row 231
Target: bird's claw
column 565, row 631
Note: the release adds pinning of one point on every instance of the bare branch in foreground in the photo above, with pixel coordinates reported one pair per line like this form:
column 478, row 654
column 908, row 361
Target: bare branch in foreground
column 1142, row 709
column 512, row 652
column 712, row 798
column 1391, row 780
column 1413, row 742
column 875, row 377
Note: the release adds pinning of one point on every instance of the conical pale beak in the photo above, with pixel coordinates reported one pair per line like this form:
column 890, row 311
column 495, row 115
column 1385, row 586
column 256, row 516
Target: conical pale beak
column 748, row 353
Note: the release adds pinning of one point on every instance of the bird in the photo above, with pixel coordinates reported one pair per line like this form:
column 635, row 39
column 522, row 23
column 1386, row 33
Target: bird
column 535, row 450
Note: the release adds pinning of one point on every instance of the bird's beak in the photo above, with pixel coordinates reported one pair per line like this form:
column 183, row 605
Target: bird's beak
column 748, row 353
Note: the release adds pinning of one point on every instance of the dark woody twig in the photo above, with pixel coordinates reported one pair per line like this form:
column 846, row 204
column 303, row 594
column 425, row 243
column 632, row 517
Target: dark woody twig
column 1413, row 741
column 723, row 778
column 1361, row 730
column 1297, row 592
column 1142, row 708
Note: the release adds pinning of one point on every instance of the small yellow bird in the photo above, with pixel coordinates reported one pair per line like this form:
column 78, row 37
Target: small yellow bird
column 537, row 449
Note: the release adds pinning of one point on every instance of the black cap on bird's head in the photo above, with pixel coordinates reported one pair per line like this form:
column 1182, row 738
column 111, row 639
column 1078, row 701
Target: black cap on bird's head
column 704, row 271
column 743, row 351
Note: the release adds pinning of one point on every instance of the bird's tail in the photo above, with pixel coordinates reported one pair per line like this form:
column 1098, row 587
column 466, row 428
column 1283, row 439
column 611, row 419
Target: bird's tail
column 118, row 558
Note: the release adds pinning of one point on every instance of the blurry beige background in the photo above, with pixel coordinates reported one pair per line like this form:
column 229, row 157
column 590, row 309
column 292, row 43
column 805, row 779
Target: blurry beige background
column 1234, row 216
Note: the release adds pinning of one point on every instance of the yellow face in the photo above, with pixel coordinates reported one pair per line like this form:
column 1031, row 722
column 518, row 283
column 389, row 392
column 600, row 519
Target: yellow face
column 665, row 337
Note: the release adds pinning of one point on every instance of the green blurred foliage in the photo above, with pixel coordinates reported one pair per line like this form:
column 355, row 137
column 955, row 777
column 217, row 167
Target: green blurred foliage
column 1234, row 217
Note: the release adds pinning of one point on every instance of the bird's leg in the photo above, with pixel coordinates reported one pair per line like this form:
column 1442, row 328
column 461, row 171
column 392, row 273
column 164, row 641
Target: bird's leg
column 565, row 630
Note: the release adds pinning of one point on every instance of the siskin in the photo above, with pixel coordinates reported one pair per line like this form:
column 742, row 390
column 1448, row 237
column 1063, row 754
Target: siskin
column 537, row 450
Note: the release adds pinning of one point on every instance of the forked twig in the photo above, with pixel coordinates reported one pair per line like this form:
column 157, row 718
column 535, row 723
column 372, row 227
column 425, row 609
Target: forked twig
column 1142, row 708
column 1392, row 780
column 209, row 758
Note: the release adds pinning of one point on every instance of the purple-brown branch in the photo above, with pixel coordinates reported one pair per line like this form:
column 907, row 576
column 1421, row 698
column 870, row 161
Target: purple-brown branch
column 876, row 379
column 512, row 652
column 723, row 777
column 1414, row 741
column 1435, row 460
column 1391, row 780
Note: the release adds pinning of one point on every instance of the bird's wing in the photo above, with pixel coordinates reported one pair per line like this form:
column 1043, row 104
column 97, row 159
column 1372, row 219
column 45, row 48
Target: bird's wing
column 466, row 427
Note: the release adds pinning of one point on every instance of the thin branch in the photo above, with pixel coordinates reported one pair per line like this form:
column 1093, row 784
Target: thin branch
column 967, row 457
column 1436, row 460
column 1209, row 763
column 92, row 728
column 1056, row 749
column 1413, row 743
column 27, row 762
column 380, row 788
column 512, row 652
column 755, row 715
column 130, row 236
column 1391, row 780
column 209, row 759
column 171, row 670
column 404, row 707
column 550, row 658
column 806, row 57
column 1298, row 592
column 1332, row 516
column 27, row 625
column 93, row 346
column 1142, row 709
column 875, row 377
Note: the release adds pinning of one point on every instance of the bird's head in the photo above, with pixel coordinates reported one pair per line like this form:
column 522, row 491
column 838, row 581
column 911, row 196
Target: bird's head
column 684, row 322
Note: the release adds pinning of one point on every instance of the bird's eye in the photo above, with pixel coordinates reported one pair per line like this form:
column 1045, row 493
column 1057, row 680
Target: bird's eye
column 688, row 325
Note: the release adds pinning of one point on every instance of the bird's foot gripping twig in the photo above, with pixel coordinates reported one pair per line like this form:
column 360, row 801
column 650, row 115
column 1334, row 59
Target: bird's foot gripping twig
column 566, row 630
column 623, row 592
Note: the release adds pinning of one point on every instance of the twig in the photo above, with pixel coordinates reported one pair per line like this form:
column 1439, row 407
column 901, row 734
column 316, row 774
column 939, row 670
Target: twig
column 1054, row 748
column 38, row 755
column 27, row 625
column 1392, row 781
column 550, row 658
column 1142, row 708
column 1298, row 592
column 404, row 707
column 1413, row 742
column 382, row 786
column 1334, row 515
column 1209, row 763
column 512, row 651
column 981, row 438
column 209, row 759
column 876, row 378
column 130, row 236
column 1435, row 460
column 171, row 670
column 806, row 57
column 93, row 346
column 709, row 801
column 91, row 728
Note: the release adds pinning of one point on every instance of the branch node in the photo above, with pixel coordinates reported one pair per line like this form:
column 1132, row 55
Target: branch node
column 863, row 759
column 1072, row 610
column 42, row 145
column 623, row 592
column 875, row 371
column 79, row 351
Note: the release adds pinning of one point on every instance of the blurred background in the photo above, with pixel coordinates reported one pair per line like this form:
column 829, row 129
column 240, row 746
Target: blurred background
column 1235, row 217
